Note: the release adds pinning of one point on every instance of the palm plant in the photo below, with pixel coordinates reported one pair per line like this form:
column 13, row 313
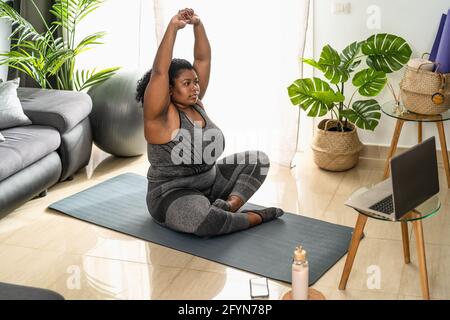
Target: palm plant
column 384, row 54
column 50, row 57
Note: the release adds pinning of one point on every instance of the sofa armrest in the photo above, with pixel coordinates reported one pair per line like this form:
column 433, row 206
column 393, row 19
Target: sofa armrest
column 60, row 109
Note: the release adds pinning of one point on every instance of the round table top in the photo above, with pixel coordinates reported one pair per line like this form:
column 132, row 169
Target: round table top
column 313, row 295
column 400, row 112
column 427, row 209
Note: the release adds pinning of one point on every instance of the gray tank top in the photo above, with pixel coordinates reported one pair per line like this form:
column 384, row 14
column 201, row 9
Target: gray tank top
column 193, row 150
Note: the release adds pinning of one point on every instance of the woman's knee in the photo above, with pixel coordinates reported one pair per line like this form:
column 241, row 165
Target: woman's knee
column 186, row 211
column 259, row 161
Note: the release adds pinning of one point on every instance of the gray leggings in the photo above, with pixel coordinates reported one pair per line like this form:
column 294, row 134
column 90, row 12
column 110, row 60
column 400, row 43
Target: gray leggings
column 185, row 204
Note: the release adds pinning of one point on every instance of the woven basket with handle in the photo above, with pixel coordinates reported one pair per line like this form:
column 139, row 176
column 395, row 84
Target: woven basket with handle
column 334, row 150
column 425, row 92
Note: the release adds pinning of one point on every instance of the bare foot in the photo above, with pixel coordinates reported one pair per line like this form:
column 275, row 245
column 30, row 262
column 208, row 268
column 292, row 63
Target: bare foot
column 254, row 219
column 235, row 203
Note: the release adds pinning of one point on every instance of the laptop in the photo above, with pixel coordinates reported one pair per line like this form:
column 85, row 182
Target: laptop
column 414, row 179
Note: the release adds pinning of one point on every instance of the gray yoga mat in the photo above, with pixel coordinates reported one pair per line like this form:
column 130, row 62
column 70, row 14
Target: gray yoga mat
column 119, row 204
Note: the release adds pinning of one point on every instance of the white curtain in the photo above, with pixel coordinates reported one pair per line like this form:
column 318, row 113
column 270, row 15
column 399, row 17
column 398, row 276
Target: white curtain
column 256, row 45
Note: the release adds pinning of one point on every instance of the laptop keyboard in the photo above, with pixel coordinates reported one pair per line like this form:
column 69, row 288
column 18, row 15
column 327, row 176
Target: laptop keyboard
column 386, row 205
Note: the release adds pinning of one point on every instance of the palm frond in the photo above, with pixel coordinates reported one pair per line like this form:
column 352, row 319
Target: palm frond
column 25, row 62
column 89, row 41
column 46, row 57
column 69, row 13
column 65, row 13
column 88, row 78
column 19, row 25
column 88, row 7
column 56, row 60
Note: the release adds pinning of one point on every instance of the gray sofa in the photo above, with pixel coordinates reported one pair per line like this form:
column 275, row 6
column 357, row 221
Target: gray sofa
column 56, row 145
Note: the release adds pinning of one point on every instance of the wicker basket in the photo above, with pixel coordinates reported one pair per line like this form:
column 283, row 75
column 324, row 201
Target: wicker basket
column 418, row 87
column 333, row 150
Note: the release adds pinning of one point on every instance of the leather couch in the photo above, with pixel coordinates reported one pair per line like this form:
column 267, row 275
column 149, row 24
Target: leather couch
column 56, row 145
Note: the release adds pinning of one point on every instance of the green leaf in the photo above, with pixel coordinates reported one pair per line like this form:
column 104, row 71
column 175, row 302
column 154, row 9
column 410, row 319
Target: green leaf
column 19, row 25
column 89, row 78
column 328, row 97
column 330, row 64
column 313, row 63
column 55, row 60
column 369, row 82
column 47, row 57
column 349, row 54
column 354, row 65
column 329, row 56
column 314, row 96
column 88, row 41
column 365, row 114
column 69, row 13
column 386, row 52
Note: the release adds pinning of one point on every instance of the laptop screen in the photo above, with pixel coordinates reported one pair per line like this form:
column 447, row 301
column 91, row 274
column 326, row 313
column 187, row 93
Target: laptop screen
column 414, row 176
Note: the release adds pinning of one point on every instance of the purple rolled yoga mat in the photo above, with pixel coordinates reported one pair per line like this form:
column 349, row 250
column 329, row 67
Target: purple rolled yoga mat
column 437, row 40
column 443, row 54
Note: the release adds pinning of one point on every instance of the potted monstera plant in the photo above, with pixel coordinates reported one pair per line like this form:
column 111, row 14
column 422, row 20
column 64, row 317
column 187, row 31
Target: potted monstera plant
column 336, row 145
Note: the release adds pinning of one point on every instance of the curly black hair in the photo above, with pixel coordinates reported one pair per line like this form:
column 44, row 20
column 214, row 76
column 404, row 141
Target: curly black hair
column 176, row 66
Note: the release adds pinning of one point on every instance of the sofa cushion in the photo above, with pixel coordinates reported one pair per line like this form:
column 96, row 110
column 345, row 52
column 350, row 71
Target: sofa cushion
column 25, row 145
column 11, row 113
column 59, row 109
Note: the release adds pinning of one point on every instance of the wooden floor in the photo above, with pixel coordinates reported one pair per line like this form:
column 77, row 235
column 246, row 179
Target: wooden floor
column 42, row 248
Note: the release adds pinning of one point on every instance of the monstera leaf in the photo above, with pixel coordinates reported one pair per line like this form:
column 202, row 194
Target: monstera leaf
column 330, row 64
column 314, row 96
column 365, row 114
column 369, row 82
column 386, row 52
column 349, row 54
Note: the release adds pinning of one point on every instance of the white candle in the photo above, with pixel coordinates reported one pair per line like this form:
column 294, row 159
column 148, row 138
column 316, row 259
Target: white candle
column 300, row 282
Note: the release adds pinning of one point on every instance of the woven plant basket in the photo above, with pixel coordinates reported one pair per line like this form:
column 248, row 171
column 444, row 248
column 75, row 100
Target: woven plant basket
column 418, row 87
column 334, row 150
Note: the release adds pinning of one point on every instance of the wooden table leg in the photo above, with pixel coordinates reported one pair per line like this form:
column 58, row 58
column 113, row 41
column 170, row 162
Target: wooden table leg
column 419, row 131
column 440, row 126
column 354, row 244
column 418, row 232
column 405, row 237
column 394, row 141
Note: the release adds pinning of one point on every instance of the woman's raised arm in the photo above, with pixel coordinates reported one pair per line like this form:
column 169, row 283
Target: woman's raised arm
column 202, row 53
column 157, row 97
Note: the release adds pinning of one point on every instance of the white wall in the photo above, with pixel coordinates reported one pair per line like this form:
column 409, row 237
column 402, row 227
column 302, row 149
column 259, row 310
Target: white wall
column 414, row 20
column 5, row 31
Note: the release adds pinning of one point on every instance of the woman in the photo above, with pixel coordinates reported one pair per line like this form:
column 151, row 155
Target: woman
column 188, row 190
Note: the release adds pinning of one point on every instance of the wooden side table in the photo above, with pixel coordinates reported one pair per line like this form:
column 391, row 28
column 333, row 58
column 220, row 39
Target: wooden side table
column 402, row 117
column 426, row 209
